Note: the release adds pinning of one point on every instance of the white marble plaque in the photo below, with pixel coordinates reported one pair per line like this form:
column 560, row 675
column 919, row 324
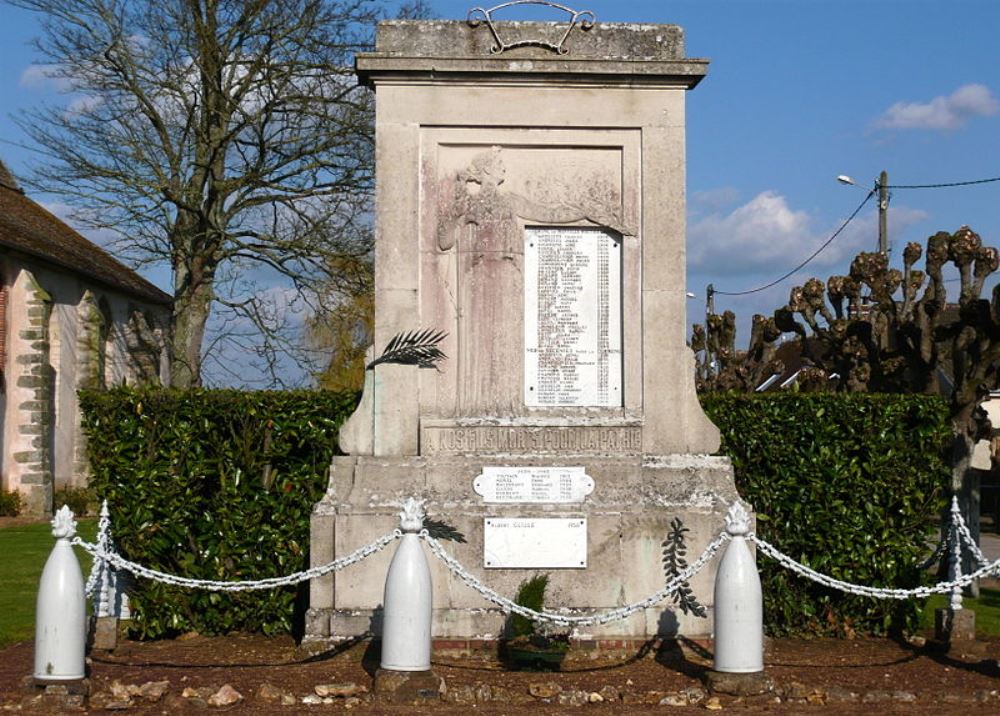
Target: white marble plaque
column 572, row 317
column 533, row 484
column 534, row 543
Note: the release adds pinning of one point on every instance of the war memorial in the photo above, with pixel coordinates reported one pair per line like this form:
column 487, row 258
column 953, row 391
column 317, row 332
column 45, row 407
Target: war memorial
column 530, row 206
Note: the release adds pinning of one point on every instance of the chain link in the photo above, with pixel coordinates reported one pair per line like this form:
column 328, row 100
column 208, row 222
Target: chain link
column 966, row 536
column 566, row 620
column 212, row 585
column 865, row 591
column 98, row 569
column 105, row 558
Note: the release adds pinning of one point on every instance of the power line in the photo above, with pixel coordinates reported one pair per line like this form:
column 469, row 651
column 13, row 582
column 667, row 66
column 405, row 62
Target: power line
column 942, row 186
column 814, row 254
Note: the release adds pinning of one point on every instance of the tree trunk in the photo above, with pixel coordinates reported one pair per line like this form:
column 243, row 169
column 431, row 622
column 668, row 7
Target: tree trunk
column 192, row 305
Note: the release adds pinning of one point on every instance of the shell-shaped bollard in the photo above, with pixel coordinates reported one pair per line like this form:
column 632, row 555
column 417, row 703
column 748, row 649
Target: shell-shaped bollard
column 61, row 611
column 739, row 612
column 406, row 620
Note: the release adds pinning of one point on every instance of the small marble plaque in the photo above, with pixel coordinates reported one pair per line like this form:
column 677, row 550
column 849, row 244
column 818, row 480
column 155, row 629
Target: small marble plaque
column 533, row 484
column 534, row 543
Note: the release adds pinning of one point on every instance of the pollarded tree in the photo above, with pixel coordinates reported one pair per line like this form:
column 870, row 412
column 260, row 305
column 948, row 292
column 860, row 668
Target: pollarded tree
column 906, row 337
column 720, row 366
column 225, row 139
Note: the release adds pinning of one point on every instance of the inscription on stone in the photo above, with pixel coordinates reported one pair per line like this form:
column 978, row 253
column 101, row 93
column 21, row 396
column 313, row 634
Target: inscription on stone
column 572, row 318
column 521, row 440
column 533, row 484
column 534, row 543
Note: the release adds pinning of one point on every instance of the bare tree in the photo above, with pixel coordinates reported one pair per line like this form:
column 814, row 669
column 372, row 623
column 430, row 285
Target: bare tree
column 226, row 138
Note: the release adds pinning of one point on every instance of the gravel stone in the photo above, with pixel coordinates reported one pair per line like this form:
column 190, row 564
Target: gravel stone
column 225, row 696
column 544, row 690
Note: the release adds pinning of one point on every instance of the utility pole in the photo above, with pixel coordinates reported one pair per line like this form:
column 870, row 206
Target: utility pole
column 709, row 310
column 882, row 186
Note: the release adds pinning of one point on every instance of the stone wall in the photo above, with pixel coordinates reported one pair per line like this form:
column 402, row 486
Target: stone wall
column 64, row 333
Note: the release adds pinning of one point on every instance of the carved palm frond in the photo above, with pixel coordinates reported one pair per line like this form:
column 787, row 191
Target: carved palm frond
column 419, row 348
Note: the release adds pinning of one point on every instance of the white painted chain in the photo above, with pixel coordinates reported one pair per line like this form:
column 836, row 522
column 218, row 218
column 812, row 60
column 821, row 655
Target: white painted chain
column 611, row 615
column 966, row 536
column 865, row 591
column 99, row 566
column 211, row 585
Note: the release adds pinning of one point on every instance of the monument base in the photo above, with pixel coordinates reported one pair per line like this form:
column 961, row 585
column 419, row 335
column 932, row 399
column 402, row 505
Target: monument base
column 628, row 518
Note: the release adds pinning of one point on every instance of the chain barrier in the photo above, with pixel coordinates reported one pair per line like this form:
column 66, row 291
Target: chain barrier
column 105, row 558
column 213, row 585
column 565, row 619
column 865, row 591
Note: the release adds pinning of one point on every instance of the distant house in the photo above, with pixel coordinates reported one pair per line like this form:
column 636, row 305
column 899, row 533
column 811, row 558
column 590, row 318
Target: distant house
column 71, row 317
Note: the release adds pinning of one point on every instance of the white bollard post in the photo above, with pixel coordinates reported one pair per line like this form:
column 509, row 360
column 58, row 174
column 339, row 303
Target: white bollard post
column 61, row 609
column 955, row 566
column 406, row 620
column 739, row 611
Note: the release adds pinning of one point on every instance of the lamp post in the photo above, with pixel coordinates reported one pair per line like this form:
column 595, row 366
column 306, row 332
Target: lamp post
column 882, row 189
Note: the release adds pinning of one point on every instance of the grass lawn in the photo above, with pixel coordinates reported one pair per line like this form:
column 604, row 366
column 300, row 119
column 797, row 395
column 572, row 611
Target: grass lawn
column 25, row 549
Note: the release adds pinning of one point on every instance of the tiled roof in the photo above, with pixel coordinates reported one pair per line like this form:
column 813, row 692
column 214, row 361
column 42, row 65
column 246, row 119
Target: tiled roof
column 28, row 228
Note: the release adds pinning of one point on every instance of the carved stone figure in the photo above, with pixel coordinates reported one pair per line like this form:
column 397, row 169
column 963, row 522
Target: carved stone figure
column 486, row 226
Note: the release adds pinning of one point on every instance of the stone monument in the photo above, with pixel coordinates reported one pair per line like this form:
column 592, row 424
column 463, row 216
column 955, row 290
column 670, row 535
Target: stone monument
column 530, row 204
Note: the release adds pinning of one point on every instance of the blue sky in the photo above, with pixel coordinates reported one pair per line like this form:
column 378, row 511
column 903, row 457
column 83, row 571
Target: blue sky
column 798, row 92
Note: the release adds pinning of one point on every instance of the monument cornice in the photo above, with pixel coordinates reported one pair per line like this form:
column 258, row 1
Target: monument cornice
column 376, row 68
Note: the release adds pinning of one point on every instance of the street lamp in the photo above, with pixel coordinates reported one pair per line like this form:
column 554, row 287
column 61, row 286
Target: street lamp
column 882, row 189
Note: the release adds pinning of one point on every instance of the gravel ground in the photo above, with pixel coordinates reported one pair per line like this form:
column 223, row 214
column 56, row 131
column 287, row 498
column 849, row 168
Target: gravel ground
column 271, row 675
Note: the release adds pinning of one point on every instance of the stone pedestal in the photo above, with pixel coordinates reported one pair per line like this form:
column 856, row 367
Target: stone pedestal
column 954, row 626
column 628, row 517
column 530, row 206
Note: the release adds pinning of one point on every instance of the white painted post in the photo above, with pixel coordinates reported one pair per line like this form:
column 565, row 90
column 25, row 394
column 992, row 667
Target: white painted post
column 406, row 620
column 739, row 612
column 955, row 567
column 61, row 609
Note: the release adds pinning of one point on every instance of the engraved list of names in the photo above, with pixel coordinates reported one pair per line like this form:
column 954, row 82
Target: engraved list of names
column 572, row 321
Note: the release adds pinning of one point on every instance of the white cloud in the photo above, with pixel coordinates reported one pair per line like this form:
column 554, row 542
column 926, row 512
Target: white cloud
column 713, row 199
column 45, row 77
column 944, row 112
column 83, row 104
column 765, row 237
column 756, row 234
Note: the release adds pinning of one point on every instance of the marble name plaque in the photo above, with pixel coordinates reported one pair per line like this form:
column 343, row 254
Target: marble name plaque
column 534, row 543
column 572, row 317
column 557, row 485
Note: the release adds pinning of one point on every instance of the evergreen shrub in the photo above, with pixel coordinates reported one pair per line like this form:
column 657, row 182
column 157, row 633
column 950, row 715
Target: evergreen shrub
column 212, row 484
column 10, row 503
column 850, row 484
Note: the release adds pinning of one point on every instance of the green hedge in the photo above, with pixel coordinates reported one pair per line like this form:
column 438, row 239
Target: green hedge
column 213, row 484
column 850, row 484
column 220, row 484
